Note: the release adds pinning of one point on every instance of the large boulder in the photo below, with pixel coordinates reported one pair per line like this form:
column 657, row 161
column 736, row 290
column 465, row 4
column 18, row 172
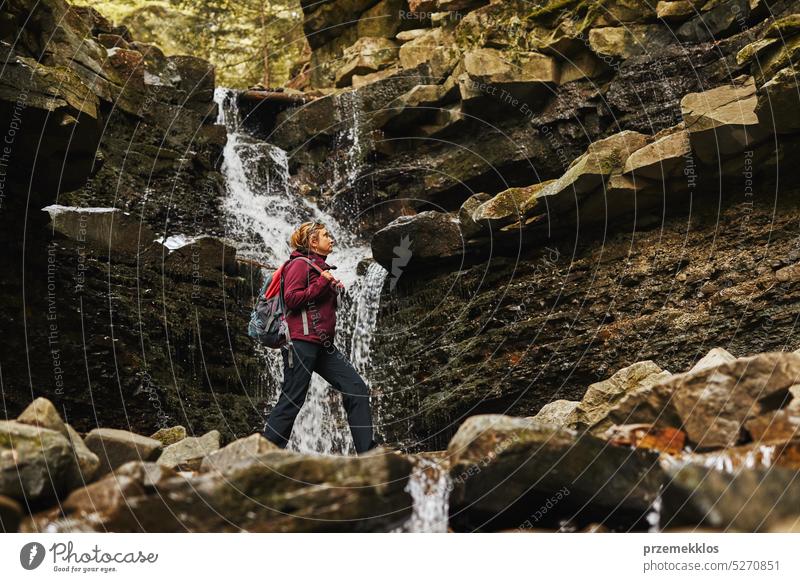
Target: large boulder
column 115, row 447
column 42, row 413
column 86, row 462
column 277, row 491
column 590, row 171
column 600, row 406
column 722, row 121
column 429, row 236
column 779, row 101
column 367, row 55
column 490, row 73
column 663, row 159
column 35, row 462
column 237, row 451
column 714, row 403
column 188, row 453
column 744, row 500
column 505, row 468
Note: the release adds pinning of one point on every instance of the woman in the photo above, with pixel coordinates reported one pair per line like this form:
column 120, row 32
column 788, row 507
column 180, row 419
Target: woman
column 311, row 296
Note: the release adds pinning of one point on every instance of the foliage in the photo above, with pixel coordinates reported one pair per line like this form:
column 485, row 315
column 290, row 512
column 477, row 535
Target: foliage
column 232, row 34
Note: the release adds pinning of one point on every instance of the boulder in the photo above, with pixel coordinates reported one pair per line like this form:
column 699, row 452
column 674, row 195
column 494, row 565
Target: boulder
column 35, row 462
column 382, row 20
column 107, row 230
column 115, row 447
column 715, row 357
column 647, row 436
column 744, row 500
column 556, row 412
column 429, row 236
column 600, row 406
column 774, row 427
column 722, row 19
column 778, row 102
column 722, row 121
column 508, row 206
column 188, row 453
column 436, row 49
column 661, row 160
column 487, row 72
column 86, row 462
column 169, row 435
column 589, row 171
column 276, row 491
column 42, row 413
column 676, row 10
column 367, row 55
column 10, row 514
column 505, row 468
column 241, row 449
column 624, row 42
column 715, row 402
column 469, row 227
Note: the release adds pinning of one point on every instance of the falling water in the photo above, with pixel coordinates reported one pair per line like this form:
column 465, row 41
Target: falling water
column 429, row 487
column 262, row 209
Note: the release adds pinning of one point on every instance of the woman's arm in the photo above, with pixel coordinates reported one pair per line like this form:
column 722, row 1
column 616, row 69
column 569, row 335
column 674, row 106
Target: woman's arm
column 296, row 290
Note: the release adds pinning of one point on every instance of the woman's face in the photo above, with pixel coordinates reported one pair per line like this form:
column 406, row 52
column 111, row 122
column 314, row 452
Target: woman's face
column 322, row 242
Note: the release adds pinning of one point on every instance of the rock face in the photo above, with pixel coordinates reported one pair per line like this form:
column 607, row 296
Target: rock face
column 503, row 468
column 269, row 491
column 123, row 148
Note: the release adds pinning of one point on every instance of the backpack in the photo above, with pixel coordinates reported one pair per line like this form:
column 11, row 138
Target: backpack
column 268, row 318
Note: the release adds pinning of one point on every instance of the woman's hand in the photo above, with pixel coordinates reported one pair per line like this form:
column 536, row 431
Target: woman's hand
column 334, row 281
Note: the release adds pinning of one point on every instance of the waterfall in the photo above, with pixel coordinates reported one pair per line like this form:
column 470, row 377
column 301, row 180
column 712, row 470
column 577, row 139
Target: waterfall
column 429, row 487
column 261, row 210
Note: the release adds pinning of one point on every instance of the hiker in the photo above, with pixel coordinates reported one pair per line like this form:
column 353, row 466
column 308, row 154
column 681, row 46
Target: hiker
column 311, row 298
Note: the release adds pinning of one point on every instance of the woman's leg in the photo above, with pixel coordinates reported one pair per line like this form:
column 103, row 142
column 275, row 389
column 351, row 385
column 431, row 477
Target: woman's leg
column 296, row 380
column 340, row 373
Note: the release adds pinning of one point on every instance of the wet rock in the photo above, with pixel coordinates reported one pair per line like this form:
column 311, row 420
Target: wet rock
column 722, row 121
column 504, row 468
column 188, row 453
column 752, row 455
column 241, row 449
column 773, row 427
column 10, row 514
column 170, row 435
column 714, row 403
column 42, row 413
column 107, row 230
column 274, row 491
column 424, row 237
column 202, row 257
column 35, row 462
column 115, row 447
column 745, row 500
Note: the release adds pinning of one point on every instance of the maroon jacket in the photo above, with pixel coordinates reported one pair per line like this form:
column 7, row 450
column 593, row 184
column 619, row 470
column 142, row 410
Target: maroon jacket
column 310, row 298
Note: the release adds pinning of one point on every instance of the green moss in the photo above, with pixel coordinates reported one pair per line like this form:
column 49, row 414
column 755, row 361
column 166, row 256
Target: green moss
column 783, row 27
